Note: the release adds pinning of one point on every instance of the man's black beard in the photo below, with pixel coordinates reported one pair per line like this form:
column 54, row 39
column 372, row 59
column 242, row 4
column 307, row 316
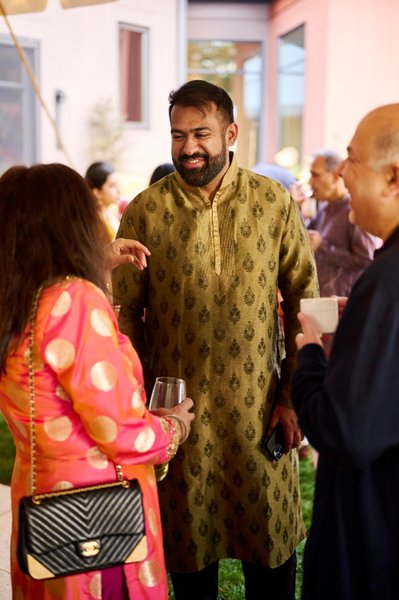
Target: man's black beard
column 203, row 175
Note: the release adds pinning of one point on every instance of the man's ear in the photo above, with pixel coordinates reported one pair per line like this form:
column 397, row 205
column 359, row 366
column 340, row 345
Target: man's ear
column 392, row 177
column 337, row 175
column 231, row 133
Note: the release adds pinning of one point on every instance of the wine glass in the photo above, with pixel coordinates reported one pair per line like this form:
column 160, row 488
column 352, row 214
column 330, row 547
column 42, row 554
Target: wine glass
column 167, row 392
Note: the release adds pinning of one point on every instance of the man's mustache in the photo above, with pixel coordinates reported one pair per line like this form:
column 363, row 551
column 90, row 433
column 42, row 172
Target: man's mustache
column 195, row 155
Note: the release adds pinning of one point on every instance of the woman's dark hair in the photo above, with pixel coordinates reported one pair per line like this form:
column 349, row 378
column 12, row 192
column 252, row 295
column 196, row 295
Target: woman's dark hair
column 52, row 229
column 201, row 94
column 98, row 173
column 161, row 171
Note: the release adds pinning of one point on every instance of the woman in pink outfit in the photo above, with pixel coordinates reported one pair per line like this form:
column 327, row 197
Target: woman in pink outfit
column 90, row 405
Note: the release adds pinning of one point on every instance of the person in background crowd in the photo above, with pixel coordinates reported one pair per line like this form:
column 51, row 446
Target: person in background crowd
column 90, row 411
column 161, row 171
column 349, row 406
column 341, row 248
column 223, row 240
column 273, row 170
column 103, row 182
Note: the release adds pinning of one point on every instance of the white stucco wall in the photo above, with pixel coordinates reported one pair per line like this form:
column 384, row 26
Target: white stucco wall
column 363, row 49
column 79, row 55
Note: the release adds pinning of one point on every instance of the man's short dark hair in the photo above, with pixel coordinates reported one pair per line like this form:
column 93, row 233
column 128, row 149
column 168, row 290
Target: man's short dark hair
column 201, row 94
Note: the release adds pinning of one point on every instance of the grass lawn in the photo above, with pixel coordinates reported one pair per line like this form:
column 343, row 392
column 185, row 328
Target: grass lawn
column 7, row 452
column 231, row 581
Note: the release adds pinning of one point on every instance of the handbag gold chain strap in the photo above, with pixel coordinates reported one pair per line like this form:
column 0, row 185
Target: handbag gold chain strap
column 37, row 498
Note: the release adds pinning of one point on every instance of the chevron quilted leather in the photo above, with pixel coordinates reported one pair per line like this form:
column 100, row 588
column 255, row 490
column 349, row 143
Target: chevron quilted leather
column 88, row 529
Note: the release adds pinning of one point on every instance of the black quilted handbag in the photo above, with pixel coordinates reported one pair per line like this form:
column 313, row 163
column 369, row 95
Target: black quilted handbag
column 77, row 530
column 80, row 530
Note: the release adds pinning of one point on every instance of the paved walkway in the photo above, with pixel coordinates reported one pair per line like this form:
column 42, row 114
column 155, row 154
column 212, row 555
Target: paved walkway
column 5, row 533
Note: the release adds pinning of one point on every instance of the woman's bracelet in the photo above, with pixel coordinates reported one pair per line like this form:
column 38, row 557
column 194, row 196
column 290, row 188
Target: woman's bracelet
column 175, row 439
column 183, row 427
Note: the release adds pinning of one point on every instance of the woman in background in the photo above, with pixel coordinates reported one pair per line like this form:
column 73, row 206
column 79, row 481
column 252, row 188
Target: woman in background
column 103, row 182
column 90, row 405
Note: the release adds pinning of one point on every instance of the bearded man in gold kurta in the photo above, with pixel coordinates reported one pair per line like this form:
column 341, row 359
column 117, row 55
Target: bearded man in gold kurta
column 223, row 241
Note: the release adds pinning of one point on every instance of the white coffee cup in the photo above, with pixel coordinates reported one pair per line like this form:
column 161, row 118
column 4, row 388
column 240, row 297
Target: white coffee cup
column 324, row 312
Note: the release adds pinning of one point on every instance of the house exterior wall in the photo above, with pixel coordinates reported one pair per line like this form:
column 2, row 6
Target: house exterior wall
column 363, row 51
column 351, row 50
column 79, row 54
column 237, row 22
column 218, row 21
column 286, row 15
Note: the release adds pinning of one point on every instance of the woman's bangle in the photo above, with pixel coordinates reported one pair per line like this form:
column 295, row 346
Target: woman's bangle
column 171, row 427
column 182, row 425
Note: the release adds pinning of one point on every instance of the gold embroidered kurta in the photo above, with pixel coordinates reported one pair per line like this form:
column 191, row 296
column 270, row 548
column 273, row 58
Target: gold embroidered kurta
column 210, row 296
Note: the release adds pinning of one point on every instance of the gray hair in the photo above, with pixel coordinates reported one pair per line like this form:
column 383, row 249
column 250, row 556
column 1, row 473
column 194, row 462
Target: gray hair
column 385, row 149
column 331, row 158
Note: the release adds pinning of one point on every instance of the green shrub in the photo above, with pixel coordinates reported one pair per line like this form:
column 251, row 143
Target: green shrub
column 7, row 452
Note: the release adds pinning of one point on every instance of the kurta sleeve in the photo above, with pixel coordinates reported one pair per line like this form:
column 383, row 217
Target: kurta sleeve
column 101, row 373
column 347, row 410
column 297, row 279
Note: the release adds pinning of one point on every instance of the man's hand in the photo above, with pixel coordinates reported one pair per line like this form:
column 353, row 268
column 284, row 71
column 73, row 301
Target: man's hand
column 298, row 193
column 292, row 432
column 315, row 239
column 342, row 302
column 309, row 334
column 122, row 251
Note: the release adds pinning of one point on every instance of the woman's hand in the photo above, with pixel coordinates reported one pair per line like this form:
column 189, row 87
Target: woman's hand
column 309, row 334
column 123, row 251
column 182, row 410
column 182, row 415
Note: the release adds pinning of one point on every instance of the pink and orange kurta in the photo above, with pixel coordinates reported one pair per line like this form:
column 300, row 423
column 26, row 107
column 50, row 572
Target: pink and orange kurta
column 90, row 413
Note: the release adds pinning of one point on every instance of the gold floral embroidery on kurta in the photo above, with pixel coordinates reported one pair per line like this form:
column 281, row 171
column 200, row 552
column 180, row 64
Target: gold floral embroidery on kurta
column 210, row 294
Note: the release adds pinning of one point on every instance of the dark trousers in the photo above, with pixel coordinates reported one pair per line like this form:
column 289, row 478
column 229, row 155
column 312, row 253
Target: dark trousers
column 261, row 583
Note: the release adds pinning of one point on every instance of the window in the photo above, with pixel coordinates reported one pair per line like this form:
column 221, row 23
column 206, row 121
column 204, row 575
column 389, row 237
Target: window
column 291, row 89
column 237, row 68
column 18, row 106
column 133, row 53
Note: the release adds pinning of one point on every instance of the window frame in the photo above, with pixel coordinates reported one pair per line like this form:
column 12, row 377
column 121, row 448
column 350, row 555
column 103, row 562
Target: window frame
column 205, row 73
column 30, row 106
column 283, row 72
column 144, row 123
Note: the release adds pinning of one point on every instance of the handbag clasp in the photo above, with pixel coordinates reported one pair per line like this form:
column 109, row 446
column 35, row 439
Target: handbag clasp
column 89, row 548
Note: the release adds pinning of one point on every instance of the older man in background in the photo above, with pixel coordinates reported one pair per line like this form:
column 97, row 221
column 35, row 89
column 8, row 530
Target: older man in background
column 342, row 249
